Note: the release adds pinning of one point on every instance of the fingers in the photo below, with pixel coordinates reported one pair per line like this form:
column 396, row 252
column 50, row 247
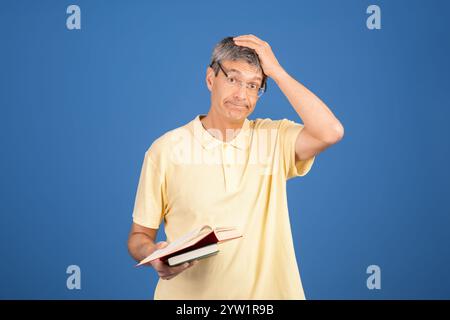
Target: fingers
column 168, row 273
column 252, row 42
column 165, row 271
column 249, row 44
column 161, row 244
column 249, row 37
column 171, row 272
column 178, row 269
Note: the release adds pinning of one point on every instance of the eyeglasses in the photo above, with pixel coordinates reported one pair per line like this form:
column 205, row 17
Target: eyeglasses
column 252, row 89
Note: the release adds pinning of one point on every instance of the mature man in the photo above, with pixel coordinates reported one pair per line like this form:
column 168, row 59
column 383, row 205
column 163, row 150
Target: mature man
column 222, row 169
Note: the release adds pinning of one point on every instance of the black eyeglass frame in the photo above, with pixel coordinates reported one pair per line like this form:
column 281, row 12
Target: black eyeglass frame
column 261, row 90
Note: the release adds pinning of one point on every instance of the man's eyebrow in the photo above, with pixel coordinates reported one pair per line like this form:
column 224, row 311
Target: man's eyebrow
column 238, row 72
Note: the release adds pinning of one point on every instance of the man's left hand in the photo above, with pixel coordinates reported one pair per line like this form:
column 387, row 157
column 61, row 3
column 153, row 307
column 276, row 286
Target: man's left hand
column 269, row 62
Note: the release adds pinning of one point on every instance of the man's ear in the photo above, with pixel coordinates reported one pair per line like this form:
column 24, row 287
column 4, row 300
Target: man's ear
column 210, row 78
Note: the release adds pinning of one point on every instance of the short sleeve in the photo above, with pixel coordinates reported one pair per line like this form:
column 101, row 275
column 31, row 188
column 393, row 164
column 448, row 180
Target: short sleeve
column 288, row 132
column 150, row 201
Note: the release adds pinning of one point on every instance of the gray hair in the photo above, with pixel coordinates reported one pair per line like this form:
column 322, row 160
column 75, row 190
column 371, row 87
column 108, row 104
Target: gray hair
column 228, row 50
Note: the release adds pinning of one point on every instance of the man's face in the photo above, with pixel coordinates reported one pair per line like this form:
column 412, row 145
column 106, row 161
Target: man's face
column 230, row 97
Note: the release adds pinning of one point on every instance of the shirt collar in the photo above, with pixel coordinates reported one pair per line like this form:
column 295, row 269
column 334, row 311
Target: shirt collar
column 208, row 141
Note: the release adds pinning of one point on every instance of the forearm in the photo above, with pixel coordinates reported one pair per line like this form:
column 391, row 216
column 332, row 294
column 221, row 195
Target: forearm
column 316, row 116
column 140, row 246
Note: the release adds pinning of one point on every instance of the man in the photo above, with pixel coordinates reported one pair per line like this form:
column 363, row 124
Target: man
column 225, row 170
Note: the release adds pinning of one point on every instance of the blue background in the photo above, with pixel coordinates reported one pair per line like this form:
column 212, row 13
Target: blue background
column 79, row 109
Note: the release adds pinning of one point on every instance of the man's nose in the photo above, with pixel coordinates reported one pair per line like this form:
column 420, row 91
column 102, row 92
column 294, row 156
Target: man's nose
column 241, row 92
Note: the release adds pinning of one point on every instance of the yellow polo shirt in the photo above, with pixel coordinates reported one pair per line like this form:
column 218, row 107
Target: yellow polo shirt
column 190, row 178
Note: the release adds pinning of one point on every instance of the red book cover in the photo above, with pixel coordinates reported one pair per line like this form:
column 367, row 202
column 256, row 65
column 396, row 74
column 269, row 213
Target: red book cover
column 195, row 239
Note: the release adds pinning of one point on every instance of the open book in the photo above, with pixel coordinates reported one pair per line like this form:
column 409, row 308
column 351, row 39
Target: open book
column 196, row 254
column 196, row 239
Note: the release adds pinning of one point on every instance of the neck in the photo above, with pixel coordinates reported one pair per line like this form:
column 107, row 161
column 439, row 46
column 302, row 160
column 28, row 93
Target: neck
column 213, row 122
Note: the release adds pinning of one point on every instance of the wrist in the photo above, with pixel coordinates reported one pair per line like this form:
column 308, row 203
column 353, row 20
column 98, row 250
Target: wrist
column 279, row 74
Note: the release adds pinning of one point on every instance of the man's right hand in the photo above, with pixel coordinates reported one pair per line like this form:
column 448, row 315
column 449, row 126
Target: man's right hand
column 165, row 271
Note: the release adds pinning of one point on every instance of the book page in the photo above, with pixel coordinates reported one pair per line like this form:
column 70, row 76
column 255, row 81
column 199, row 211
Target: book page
column 224, row 234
